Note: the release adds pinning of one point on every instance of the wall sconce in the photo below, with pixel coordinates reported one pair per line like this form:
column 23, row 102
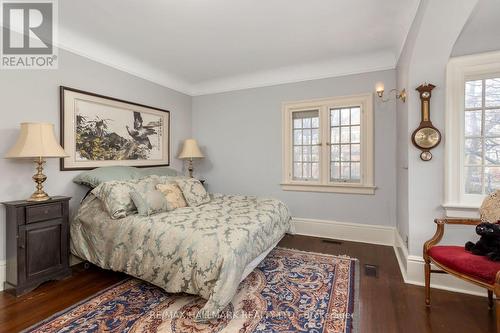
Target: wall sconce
column 399, row 94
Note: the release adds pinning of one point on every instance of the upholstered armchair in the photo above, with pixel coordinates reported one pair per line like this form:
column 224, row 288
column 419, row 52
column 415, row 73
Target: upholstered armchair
column 455, row 260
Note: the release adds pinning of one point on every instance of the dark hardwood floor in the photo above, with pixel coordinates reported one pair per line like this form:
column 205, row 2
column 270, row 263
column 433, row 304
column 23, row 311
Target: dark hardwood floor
column 386, row 303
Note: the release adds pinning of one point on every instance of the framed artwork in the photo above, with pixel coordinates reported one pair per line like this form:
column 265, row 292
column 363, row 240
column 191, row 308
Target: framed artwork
column 99, row 131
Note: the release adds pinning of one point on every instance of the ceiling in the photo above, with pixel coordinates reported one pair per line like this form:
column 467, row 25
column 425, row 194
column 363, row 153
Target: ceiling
column 207, row 46
column 480, row 33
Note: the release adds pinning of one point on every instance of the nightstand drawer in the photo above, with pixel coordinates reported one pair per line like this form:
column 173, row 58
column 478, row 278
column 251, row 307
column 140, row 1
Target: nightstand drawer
column 43, row 212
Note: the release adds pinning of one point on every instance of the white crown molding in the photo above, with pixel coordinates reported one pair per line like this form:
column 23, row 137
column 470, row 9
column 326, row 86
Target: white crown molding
column 97, row 52
column 75, row 43
column 305, row 72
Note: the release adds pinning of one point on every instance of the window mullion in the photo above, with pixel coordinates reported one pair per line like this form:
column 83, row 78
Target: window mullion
column 483, row 145
column 324, row 122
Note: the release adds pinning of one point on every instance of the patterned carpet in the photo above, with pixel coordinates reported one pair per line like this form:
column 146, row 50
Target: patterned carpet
column 290, row 291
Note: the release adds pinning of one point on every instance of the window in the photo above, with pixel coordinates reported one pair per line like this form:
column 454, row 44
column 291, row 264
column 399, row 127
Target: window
column 473, row 132
column 306, row 145
column 328, row 145
column 482, row 136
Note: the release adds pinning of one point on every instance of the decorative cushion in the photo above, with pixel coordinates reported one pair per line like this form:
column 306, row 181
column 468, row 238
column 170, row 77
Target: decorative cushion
column 173, row 195
column 461, row 261
column 194, row 193
column 490, row 208
column 115, row 194
column 149, row 203
column 93, row 178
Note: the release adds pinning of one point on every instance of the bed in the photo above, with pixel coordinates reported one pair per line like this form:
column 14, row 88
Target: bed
column 206, row 250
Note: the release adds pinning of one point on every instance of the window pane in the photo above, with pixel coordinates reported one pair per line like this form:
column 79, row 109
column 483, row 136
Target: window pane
column 307, row 170
column 297, row 170
column 355, row 134
column 473, row 184
column 335, row 171
column 315, row 153
column 297, row 154
column 345, row 135
column 345, row 171
column 355, row 152
column 344, row 116
column 355, row 171
column 306, row 137
column 306, row 122
column 297, row 123
column 315, row 122
column 335, row 138
column 492, row 151
column 473, row 151
column 306, row 151
column 315, row 170
column 473, row 123
column 335, row 153
column 491, row 179
column 335, row 117
column 315, row 136
column 355, row 116
column 345, row 152
column 492, row 92
column 297, row 137
column 473, row 94
column 492, row 123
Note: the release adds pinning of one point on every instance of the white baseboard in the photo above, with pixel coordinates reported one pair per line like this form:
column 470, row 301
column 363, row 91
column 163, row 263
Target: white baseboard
column 3, row 273
column 412, row 270
column 411, row 267
column 355, row 232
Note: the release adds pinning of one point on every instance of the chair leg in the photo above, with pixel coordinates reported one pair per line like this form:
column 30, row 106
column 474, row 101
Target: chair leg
column 490, row 299
column 497, row 305
column 427, row 282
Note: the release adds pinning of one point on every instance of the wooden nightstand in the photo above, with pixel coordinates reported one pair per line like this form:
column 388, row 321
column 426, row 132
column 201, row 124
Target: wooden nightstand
column 37, row 243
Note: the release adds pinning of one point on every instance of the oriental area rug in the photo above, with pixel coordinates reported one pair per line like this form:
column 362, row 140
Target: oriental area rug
column 290, row 291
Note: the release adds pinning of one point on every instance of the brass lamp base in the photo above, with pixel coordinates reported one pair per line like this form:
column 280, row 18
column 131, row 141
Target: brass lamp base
column 39, row 178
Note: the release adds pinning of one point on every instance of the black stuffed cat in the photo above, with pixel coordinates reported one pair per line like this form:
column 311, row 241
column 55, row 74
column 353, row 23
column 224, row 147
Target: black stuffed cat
column 489, row 243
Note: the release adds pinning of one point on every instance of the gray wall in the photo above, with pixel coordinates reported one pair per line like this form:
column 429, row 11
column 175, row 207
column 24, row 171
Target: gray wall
column 33, row 95
column 422, row 184
column 481, row 33
column 240, row 132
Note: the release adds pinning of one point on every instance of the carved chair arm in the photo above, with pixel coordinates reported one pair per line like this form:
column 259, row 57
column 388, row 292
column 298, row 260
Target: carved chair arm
column 457, row 221
column 440, row 223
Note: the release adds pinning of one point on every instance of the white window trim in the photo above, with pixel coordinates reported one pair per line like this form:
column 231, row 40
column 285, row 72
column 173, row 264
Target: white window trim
column 366, row 184
column 459, row 69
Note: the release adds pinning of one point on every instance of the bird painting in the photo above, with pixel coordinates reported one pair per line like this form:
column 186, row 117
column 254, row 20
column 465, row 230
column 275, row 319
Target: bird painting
column 141, row 132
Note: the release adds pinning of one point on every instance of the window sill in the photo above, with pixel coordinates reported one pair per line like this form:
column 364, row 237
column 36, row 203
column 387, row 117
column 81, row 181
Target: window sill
column 337, row 188
column 461, row 210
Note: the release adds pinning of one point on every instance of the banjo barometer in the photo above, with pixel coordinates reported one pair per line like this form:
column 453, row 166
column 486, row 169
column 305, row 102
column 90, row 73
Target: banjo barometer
column 426, row 136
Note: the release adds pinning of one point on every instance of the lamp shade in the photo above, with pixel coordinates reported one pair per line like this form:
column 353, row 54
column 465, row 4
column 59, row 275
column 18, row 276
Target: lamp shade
column 190, row 150
column 36, row 140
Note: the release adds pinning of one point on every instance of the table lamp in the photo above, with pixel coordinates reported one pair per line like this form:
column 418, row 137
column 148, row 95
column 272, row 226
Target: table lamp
column 37, row 141
column 189, row 151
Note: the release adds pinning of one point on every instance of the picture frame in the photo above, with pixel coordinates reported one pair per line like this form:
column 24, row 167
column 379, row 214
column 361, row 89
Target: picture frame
column 98, row 131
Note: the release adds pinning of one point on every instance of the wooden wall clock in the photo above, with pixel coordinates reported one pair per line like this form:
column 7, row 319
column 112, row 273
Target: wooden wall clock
column 426, row 136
